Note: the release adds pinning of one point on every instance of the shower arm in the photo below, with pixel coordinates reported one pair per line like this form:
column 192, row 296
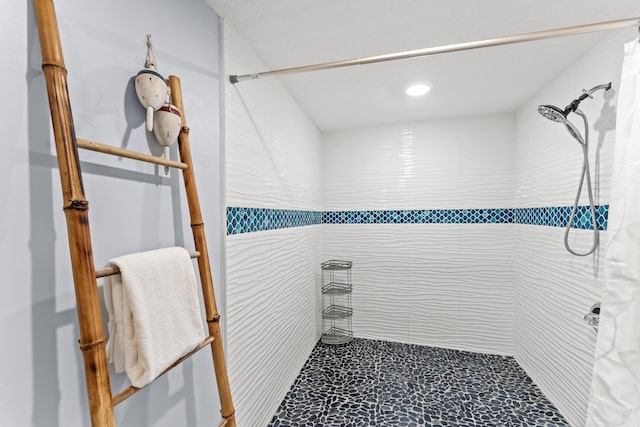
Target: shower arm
column 585, row 94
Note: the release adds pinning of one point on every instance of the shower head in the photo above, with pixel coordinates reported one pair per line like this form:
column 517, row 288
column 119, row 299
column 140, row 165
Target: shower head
column 559, row 115
column 553, row 113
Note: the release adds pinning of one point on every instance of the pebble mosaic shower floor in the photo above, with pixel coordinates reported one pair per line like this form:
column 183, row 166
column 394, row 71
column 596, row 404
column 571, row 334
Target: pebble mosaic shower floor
column 378, row 383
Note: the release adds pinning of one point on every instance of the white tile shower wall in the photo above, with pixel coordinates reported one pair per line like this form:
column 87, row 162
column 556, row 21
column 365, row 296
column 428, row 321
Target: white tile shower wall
column 441, row 164
column 273, row 160
column 555, row 289
column 447, row 285
column 552, row 342
column 273, row 151
column 272, row 314
column 442, row 285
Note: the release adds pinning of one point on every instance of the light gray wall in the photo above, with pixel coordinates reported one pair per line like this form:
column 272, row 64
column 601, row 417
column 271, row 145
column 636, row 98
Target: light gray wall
column 133, row 206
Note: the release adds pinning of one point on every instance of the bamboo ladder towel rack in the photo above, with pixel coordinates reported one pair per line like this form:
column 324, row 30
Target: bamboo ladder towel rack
column 92, row 335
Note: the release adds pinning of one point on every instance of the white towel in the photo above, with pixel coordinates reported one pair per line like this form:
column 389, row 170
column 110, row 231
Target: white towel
column 154, row 312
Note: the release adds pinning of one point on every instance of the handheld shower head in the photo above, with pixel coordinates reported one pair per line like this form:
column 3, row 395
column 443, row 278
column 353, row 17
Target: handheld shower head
column 552, row 113
column 559, row 115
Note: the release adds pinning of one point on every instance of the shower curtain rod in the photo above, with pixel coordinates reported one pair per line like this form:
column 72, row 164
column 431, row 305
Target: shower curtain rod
column 539, row 35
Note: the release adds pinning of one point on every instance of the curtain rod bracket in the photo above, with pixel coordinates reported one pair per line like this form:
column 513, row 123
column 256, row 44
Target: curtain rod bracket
column 234, row 78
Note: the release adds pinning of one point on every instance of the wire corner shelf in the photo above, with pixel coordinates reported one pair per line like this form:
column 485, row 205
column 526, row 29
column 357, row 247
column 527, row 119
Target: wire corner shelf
column 337, row 311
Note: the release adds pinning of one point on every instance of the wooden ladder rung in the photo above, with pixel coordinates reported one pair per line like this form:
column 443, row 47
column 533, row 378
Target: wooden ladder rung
column 113, row 270
column 130, row 154
column 131, row 390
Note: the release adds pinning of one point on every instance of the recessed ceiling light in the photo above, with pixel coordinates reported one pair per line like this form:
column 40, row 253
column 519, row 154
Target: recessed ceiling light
column 417, row 89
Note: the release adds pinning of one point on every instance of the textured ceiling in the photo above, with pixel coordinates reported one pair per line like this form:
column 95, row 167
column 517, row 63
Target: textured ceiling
column 287, row 33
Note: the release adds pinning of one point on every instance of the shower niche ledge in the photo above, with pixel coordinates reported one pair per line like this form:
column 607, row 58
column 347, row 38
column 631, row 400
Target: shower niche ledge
column 336, row 296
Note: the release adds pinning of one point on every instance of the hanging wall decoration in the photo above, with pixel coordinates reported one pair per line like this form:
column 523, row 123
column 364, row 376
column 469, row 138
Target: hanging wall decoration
column 163, row 118
column 151, row 87
column 167, row 122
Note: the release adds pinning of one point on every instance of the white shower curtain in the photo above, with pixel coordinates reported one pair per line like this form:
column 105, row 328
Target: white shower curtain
column 615, row 387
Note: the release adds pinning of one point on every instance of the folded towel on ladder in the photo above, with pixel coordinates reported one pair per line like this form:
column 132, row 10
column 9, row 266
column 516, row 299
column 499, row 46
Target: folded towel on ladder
column 154, row 312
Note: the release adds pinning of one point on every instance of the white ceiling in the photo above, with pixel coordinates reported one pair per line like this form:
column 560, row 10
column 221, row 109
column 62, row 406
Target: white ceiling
column 287, row 33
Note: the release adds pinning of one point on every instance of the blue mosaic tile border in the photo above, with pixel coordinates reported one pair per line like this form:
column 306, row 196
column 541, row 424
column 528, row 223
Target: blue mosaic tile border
column 559, row 215
column 247, row 220
column 420, row 216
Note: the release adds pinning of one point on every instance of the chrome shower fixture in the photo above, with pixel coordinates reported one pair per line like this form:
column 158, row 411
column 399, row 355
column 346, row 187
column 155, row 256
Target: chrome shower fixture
column 558, row 115
column 552, row 113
